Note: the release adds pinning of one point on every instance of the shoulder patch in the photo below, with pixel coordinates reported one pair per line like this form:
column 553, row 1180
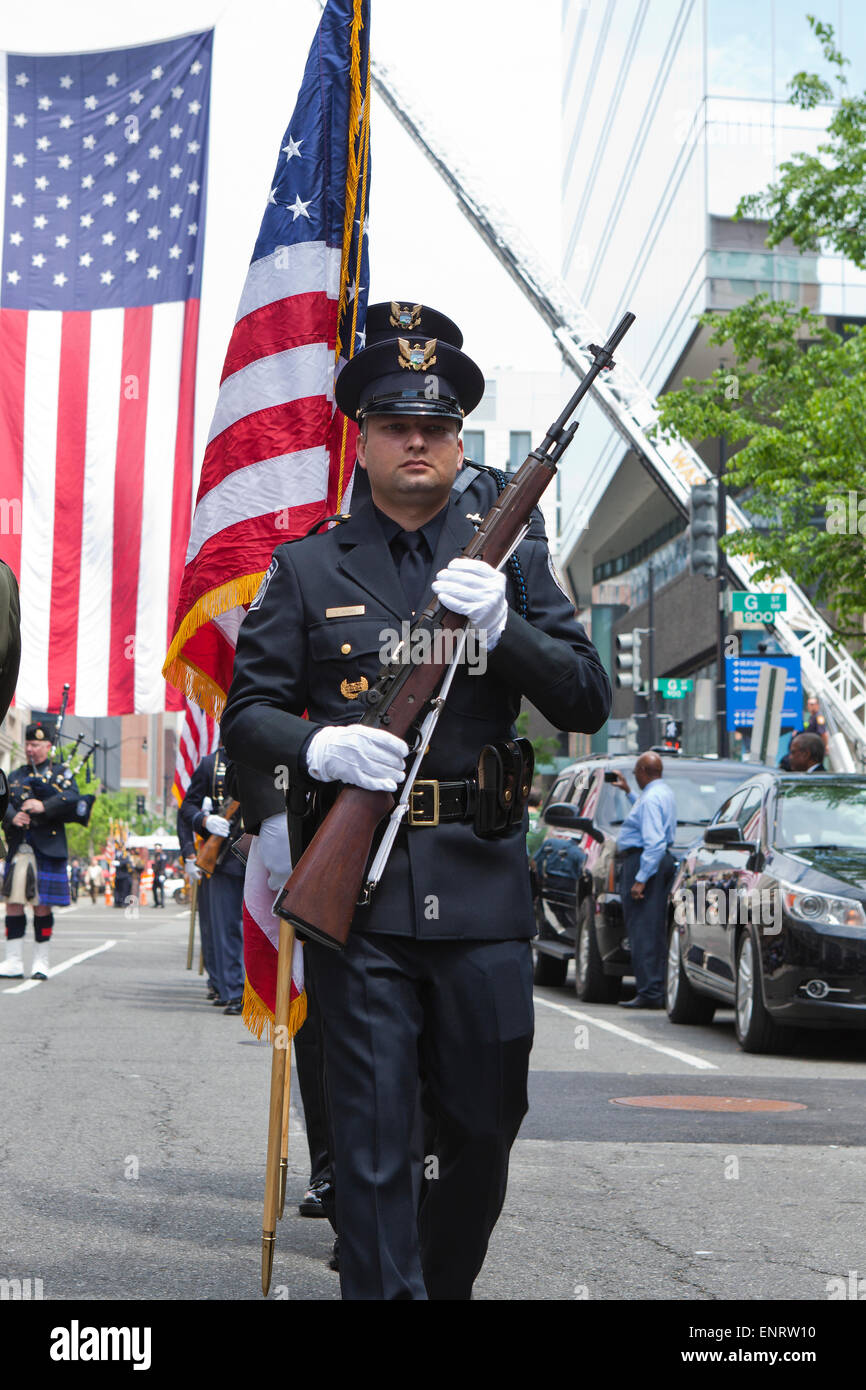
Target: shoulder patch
column 263, row 587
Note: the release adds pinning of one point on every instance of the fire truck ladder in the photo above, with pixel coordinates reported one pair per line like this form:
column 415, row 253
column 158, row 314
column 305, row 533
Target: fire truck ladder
column 827, row 668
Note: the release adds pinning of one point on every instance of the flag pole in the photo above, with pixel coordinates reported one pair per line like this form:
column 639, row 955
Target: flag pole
column 279, row 1060
column 284, row 1141
column 193, row 894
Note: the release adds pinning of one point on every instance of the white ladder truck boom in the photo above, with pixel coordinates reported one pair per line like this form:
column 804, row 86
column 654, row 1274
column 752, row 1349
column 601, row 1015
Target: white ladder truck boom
column 827, row 667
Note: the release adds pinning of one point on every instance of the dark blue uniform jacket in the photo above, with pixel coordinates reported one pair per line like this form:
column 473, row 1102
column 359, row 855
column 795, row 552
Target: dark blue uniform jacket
column 440, row 882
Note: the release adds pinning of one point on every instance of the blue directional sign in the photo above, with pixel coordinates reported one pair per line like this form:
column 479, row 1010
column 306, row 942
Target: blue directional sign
column 741, row 689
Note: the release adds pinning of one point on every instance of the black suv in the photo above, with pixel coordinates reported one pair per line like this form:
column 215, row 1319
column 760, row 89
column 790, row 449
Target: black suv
column 577, row 903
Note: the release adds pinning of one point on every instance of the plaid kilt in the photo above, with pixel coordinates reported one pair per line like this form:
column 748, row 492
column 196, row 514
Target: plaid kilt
column 52, row 882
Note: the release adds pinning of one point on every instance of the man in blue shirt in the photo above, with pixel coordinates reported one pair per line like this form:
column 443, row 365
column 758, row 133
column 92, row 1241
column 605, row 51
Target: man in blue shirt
column 646, row 870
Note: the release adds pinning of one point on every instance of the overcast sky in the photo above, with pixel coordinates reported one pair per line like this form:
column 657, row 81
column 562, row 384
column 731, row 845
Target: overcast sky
column 486, row 80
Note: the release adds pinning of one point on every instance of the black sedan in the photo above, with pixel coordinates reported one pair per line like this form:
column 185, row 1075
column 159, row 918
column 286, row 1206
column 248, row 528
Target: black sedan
column 577, row 903
column 767, row 913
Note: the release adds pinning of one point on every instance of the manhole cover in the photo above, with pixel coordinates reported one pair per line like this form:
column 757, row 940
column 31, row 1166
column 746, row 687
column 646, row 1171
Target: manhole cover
column 733, row 1103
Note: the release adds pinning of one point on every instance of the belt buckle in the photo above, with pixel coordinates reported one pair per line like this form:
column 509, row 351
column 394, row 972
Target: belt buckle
column 416, row 813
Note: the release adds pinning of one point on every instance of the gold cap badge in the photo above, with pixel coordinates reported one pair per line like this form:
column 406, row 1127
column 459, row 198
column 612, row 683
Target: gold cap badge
column 405, row 317
column 419, row 356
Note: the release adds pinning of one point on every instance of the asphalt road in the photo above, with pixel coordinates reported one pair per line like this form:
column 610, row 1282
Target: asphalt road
column 131, row 1159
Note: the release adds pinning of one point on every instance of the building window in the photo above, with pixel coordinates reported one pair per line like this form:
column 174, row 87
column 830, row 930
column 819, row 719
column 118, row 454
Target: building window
column 519, row 445
column 473, row 445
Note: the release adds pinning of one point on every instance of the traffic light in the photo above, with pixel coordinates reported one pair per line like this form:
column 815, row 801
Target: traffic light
column 140, row 806
column 704, row 530
column 672, row 732
column 628, row 661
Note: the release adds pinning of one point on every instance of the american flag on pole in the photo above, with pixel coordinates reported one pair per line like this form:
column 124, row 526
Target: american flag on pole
column 198, row 736
column 279, row 455
column 102, row 200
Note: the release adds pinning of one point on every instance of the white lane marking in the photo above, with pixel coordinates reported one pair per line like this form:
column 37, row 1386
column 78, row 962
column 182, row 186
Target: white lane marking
column 64, row 965
column 688, row 1057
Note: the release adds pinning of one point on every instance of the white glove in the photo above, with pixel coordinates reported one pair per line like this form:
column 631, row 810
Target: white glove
column 274, row 849
column 193, row 872
column 477, row 590
column 369, row 758
column 216, row 825
column 206, row 805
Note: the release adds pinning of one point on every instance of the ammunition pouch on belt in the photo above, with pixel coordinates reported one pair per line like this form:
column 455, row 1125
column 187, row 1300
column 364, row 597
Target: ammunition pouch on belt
column 504, row 779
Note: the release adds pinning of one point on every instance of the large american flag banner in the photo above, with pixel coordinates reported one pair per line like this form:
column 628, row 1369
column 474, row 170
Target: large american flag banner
column 102, row 204
column 279, row 455
column 199, row 735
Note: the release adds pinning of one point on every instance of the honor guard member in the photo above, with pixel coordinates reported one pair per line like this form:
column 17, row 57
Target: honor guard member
column 42, row 797
column 223, row 892
column 431, row 1000
column 194, row 875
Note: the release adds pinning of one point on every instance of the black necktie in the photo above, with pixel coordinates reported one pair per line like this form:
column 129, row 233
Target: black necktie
column 413, row 566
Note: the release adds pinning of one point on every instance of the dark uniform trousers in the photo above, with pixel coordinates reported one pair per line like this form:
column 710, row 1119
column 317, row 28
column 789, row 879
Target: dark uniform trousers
column 427, row 1012
column 220, row 898
column 463, row 1011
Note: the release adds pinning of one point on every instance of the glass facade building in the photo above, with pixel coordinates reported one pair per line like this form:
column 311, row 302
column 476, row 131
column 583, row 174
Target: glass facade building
column 672, row 110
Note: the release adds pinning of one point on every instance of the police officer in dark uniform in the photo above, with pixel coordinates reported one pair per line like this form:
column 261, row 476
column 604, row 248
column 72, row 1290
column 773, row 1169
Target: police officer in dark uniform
column 159, row 866
column 430, row 1003
column 222, row 895
column 42, row 797
column 122, row 879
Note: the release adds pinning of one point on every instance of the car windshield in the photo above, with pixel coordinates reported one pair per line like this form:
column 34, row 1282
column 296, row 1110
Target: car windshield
column 821, row 815
column 698, row 792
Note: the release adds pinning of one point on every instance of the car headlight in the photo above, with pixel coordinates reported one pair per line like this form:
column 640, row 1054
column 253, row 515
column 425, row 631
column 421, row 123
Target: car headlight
column 820, row 907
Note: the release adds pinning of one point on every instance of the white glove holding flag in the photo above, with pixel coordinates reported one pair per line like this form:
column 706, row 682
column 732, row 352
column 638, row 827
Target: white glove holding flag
column 477, row 590
column 217, row 825
column 193, row 872
column 274, row 850
column 369, row 758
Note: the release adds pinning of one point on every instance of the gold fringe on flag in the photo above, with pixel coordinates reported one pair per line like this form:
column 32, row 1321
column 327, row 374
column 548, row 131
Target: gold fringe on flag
column 178, row 670
column 258, row 1017
column 365, row 166
column 352, row 171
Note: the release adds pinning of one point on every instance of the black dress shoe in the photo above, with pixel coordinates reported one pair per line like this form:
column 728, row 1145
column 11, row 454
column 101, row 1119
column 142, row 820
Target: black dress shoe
column 211, row 993
column 315, row 1198
column 640, row 1003
column 234, row 1006
column 219, row 1003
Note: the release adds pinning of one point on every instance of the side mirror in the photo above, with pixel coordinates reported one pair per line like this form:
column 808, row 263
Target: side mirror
column 726, row 834
column 565, row 816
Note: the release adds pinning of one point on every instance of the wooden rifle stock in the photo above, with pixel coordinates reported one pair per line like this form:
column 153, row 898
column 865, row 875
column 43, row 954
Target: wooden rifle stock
column 321, row 895
column 215, row 847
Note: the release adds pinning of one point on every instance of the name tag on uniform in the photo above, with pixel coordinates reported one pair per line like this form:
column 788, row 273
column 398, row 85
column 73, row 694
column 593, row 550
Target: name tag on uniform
column 354, row 610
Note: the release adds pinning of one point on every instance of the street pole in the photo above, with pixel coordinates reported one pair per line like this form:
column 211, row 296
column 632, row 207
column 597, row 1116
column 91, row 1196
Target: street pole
column 721, row 521
column 651, row 652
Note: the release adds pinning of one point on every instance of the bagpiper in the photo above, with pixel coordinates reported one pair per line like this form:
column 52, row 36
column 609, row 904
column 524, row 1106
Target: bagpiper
column 43, row 796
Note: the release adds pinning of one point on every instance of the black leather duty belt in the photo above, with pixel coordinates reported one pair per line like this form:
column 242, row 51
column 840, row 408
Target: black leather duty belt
column 431, row 802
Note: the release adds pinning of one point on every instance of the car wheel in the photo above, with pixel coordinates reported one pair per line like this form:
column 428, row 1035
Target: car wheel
column 682, row 1001
column 549, row 970
column 756, row 1031
column 590, row 982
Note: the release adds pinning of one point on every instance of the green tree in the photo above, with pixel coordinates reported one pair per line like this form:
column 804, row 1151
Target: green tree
column 821, row 196
column 791, row 397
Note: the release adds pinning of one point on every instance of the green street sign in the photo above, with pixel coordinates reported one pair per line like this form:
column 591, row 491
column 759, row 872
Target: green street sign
column 758, row 608
column 673, row 689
